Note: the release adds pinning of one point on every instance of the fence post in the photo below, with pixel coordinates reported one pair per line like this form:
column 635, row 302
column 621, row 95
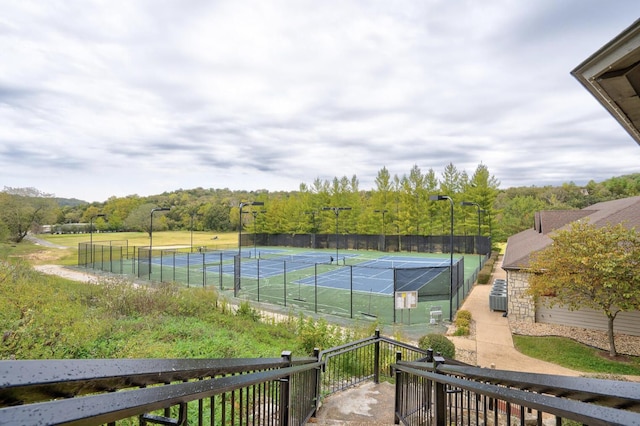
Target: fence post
column 161, row 263
column 376, row 358
column 284, row 392
column 188, row 268
column 351, row 290
column 220, row 271
column 204, row 270
column 316, row 397
column 399, row 391
column 440, row 395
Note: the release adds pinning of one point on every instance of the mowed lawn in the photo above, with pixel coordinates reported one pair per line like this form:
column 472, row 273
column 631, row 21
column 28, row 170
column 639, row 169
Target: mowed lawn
column 69, row 254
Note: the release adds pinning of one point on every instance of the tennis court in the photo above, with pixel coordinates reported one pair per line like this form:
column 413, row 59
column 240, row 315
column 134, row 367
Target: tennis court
column 360, row 285
column 377, row 276
column 349, row 283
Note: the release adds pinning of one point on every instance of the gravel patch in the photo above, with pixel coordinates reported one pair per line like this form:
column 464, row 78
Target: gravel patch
column 467, row 356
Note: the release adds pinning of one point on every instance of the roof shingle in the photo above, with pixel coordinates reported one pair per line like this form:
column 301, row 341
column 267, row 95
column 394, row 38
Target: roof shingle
column 522, row 245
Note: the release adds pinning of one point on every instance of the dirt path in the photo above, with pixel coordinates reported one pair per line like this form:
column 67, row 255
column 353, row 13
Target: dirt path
column 44, row 243
column 67, row 273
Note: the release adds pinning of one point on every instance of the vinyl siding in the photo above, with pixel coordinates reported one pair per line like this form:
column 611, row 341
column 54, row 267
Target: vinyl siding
column 625, row 322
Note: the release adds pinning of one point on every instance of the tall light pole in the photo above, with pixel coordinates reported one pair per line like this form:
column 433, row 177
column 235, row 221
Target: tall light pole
column 471, row 203
column 242, row 205
column 336, row 211
column 91, row 233
column 157, row 209
column 383, row 233
column 440, row 198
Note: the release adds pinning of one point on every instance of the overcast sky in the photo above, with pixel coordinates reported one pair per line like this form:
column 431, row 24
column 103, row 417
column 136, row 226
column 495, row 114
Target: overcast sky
column 113, row 98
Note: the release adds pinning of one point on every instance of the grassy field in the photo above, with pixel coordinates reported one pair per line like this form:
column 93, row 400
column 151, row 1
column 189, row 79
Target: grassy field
column 66, row 250
column 160, row 238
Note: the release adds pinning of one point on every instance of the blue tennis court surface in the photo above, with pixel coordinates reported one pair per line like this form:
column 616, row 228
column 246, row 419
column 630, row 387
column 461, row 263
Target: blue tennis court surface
column 183, row 260
column 405, row 262
column 376, row 276
column 268, row 268
column 368, row 275
column 272, row 262
column 363, row 279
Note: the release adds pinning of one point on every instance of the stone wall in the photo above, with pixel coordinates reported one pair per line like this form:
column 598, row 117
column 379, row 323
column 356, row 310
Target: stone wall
column 521, row 306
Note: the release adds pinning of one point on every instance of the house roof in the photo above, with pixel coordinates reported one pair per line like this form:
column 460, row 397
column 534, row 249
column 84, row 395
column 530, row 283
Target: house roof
column 522, row 245
column 612, row 76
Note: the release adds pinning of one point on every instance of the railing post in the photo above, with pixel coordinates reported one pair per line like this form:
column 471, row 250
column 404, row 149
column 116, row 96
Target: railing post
column 399, row 390
column 316, row 397
column 429, row 355
column 284, row 392
column 376, row 358
column 440, row 395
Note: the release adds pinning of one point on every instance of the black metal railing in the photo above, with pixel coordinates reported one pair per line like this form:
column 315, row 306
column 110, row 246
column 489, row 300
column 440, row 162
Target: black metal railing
column 434, row 393
column 430, row 390
column 279, row 391
column 367, row 359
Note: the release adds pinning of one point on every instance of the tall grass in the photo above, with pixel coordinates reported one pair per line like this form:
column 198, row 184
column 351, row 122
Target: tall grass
column 44, row 316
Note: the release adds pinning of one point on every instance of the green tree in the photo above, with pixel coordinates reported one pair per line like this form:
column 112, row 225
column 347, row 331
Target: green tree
column 590, row 267
column 518, row 215
column 25, row 209
column 482, row 189
column 140, row 219
column 118, row 210
column 215, row 217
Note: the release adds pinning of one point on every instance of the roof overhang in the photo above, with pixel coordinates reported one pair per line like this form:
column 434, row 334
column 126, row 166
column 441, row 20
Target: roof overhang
column 612, row 75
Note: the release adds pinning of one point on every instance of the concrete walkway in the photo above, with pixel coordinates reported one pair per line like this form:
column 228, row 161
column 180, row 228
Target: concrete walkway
column 492, row 342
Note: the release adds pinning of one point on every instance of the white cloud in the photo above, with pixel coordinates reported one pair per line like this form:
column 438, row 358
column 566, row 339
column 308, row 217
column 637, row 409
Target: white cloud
column 100, row 98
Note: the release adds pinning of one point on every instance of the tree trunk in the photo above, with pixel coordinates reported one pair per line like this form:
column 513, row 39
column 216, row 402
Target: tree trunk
column 612, row 342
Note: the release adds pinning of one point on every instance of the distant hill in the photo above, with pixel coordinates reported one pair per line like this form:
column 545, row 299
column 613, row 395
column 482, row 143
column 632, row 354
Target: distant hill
column 69, row 202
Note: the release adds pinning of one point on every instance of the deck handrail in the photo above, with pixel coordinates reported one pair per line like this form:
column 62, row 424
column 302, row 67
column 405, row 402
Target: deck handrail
column 286, row 391
column 449, row 393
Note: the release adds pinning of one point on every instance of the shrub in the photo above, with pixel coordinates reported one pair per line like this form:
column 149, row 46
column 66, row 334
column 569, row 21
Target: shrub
column 483, row 278
column 484, row 275
column 246, row 311
column 438, row 343
column 463, row 313
column 463, row 318
column 463, row 323
column 462, row 331
column 318, row 334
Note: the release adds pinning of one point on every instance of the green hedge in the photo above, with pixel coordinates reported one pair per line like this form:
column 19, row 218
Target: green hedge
column 439, row 344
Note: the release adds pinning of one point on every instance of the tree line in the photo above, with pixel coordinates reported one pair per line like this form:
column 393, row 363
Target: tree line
column 396, row 205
